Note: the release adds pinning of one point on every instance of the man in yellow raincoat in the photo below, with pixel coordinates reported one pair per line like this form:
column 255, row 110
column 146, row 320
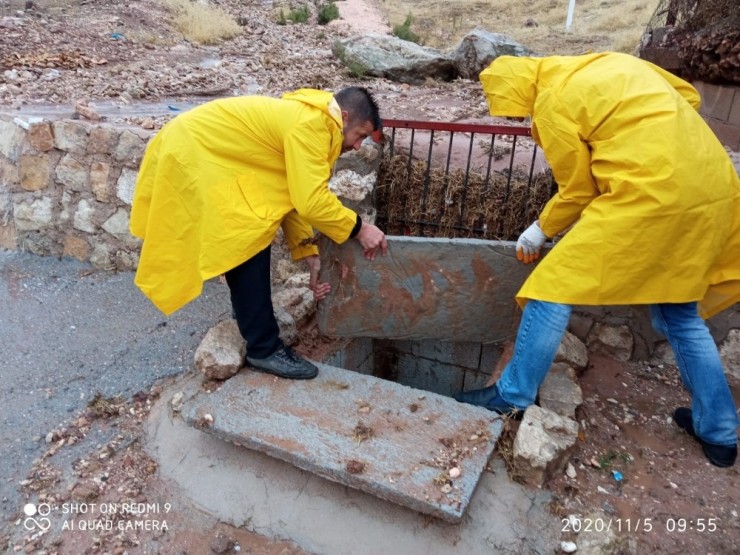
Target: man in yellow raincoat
column 654, row 204
column 218, row 181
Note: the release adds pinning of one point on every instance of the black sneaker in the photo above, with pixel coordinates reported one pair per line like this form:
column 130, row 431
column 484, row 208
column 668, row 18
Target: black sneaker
column 719, row 455
column 285, row 364
column 489, row 398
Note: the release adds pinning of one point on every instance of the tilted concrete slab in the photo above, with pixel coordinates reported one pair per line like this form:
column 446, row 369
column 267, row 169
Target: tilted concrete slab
column 425, row 288
column 398, row 443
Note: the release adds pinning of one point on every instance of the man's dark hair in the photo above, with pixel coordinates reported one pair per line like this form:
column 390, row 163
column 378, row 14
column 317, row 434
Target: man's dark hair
column 360, row 105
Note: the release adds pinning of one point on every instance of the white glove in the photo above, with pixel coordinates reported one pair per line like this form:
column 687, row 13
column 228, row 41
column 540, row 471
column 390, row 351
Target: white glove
column 529, row 244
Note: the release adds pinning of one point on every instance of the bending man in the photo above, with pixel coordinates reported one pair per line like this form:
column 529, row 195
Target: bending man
column 654, row 202
column 218, row 181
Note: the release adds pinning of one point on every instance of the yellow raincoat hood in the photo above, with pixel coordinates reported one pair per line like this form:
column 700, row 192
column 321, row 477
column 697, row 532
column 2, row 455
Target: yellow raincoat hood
column 510, row 87
column 652, row 196
column 217, row 183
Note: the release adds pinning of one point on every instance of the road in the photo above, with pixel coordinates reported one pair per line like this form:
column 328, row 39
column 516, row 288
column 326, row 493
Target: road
column 67, row 332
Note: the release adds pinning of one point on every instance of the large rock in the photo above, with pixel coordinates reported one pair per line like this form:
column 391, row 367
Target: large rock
column 479, row 48
column 221, row 353
column 394, row 59
column 544, row 443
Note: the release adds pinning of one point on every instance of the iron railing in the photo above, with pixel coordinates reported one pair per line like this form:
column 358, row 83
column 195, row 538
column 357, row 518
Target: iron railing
column 444, row 148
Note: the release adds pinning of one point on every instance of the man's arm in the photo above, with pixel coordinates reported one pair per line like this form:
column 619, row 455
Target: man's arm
column 570, row 159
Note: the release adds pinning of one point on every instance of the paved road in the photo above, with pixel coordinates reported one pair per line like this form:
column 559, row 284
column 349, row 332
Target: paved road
column 67, row 332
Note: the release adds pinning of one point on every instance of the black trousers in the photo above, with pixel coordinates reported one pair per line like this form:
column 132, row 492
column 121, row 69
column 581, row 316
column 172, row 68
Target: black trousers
column 251, row 299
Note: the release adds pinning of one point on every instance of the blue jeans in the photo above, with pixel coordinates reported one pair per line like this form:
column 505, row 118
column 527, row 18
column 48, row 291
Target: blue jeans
column 712, row 405
column 541, row 332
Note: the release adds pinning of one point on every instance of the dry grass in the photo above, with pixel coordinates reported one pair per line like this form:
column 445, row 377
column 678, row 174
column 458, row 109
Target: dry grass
column 598, row 25
column 449, row 205
column 202, row 23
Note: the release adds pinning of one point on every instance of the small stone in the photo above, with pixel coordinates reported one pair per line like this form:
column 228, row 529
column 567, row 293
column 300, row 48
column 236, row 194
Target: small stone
column 454, row 472
column 570, row 471
column 568, row 547
column 447, row 488
column 176, row 401
column 602, row 490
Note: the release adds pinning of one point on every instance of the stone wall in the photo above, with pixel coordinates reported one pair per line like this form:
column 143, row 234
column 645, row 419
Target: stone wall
column 66, row 189
column 720, row 107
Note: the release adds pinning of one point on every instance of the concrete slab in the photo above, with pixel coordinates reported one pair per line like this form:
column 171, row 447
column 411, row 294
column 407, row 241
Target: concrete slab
column 412, row 447
column 252, row 490
column 425, row 288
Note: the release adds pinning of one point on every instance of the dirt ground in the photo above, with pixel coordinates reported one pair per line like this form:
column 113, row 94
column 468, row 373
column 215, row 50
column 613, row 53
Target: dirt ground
column 650, row 481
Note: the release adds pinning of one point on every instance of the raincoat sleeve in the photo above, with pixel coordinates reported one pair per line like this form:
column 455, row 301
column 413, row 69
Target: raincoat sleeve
column 308, row 170
column 297, row 232
column 570, row 160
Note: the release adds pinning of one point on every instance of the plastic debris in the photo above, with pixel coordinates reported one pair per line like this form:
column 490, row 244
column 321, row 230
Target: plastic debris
column 173, row 108
column 617, row 475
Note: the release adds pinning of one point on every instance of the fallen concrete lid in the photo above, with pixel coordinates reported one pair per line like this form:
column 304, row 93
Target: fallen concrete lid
column 401, row 444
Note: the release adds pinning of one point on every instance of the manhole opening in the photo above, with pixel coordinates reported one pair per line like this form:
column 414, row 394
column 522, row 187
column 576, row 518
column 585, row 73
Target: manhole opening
column 441, row 367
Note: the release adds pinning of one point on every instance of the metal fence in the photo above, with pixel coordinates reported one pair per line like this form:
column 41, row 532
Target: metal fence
column 460, row 180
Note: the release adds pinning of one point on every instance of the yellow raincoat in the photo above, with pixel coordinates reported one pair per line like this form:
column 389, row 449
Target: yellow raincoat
column 653, row 195
column 218, row 181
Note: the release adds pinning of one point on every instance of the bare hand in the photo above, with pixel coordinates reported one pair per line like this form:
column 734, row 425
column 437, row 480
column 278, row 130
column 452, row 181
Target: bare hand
column 371, row 238
column 320, row 290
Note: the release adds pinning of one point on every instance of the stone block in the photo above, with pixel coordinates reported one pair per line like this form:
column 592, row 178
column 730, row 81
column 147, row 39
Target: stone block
column 99, row 174
column 475, row 380
column 616, row 341
column 130, row 149
column 466, row 355
column 12, row 137
column 458, row 290
column 729, row 351
column 33, row 215
column 573, row 352
column 734, row 117
column 298, row 301
column 378, row 436
column 83, row 219
column 716, row 100
column 8, row 239
column 443, row 379
column 72, row 173
column 70, row 136
column 103, row 140
column 34, row 171
column 9, row 174
column 560, row 391
column 41, row 137
column 76, row 247
column 101, row 257
column 126, row 184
